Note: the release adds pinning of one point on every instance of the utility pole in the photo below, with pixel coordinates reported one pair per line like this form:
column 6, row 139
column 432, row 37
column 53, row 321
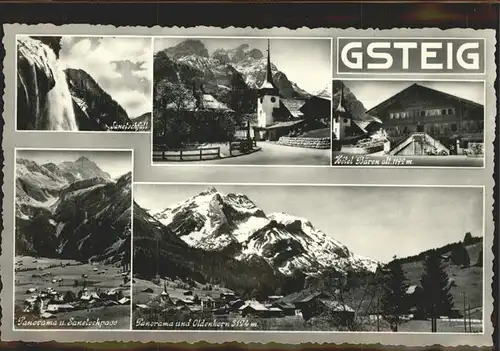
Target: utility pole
column 470, row 323
column 465, row 314
column 378, row 314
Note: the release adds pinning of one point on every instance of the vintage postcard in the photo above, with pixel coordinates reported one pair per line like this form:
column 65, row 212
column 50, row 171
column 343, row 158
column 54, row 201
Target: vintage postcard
column 72, row 239
column 289, row 185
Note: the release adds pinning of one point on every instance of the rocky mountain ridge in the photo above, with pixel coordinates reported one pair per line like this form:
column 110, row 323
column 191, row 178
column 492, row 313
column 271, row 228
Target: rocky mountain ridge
column 215, row 222
column 241, row 70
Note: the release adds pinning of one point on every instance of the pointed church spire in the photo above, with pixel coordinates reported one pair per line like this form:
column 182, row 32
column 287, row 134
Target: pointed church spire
column 268, row 81
column 269, row 74
column 340, row 107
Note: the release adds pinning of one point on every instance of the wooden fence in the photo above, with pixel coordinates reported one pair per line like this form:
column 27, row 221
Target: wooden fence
column 242, row 146
column 185, row 154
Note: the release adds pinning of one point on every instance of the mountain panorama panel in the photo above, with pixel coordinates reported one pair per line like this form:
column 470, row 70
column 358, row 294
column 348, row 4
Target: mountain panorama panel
column 242, row 101
column 297, row 258
column 72, row 239
column 78, row 83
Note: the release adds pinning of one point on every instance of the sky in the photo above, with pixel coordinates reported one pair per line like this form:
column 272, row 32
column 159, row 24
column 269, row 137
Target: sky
column 116, row 163
column 371, row 92
column 294, row 57
column 376, row 222
column 122, row 66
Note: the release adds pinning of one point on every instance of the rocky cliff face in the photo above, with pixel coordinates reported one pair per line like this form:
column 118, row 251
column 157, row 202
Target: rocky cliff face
column 64, row 212
column 94, row 108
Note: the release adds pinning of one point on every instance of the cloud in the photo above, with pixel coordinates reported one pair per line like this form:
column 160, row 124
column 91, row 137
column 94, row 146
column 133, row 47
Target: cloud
column 121, row 65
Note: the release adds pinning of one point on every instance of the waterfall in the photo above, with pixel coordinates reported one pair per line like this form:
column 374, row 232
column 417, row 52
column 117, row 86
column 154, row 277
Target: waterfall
column 46, row 102
column 60, row 114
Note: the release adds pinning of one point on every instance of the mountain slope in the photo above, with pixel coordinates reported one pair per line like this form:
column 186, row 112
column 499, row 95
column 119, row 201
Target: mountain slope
column 215, row 222
column 94, row 108
column 80, row 219
column 352, row 104
column 158, row 251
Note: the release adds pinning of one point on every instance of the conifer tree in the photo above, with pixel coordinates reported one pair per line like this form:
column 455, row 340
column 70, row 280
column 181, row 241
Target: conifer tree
column 436, row 299
column 467, row 238
column 394, row 299
column 460, row 255
column 479, row 262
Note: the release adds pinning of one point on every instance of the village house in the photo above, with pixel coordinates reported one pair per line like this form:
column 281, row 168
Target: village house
column 311, row 304
column 254, row 308
column 451, row 122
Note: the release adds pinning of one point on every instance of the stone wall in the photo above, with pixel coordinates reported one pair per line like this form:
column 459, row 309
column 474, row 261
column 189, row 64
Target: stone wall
column 311, row 143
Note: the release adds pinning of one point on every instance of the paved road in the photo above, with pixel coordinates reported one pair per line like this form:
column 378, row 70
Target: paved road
column 273, row 154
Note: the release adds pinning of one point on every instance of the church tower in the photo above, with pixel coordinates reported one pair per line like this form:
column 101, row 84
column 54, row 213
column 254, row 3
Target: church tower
column 341, row 119
column 268, row 96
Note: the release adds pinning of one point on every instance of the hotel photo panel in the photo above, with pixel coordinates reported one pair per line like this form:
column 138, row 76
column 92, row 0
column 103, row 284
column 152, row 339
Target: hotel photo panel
column 408, row 123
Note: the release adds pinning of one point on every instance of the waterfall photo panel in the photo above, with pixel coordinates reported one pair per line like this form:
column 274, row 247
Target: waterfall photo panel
column 72, row 263
column 84, row 83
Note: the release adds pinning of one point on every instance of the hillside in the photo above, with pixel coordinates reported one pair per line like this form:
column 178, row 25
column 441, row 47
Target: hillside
column 468, row 280
column 84, row 217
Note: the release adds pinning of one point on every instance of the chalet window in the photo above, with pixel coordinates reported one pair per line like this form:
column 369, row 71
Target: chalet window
column 422, row 113
column 396, row 115
column 454, row 127
column 391, row 115
column 451, row 111
column 443, row 112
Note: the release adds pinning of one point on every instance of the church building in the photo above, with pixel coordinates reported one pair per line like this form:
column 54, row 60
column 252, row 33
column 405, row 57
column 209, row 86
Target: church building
column 273, row 117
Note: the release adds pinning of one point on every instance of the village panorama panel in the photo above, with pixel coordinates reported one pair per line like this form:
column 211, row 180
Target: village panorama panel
column 296, row 258
column 72, row 239
column 408, row 123
column 242, row 101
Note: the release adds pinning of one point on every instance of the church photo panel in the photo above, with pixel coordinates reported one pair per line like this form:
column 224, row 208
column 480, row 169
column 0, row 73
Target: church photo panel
column 242, row 101
column 393, row 123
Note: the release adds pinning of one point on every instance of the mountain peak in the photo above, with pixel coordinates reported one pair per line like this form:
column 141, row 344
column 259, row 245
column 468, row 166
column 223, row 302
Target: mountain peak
column 210, row 190
column 83, row 159
column 186, row 48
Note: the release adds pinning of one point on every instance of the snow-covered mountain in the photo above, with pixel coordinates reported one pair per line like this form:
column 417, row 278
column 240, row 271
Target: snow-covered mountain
column 72, row 210
column 213, row 221
column 325, row 92
column 83, row 168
